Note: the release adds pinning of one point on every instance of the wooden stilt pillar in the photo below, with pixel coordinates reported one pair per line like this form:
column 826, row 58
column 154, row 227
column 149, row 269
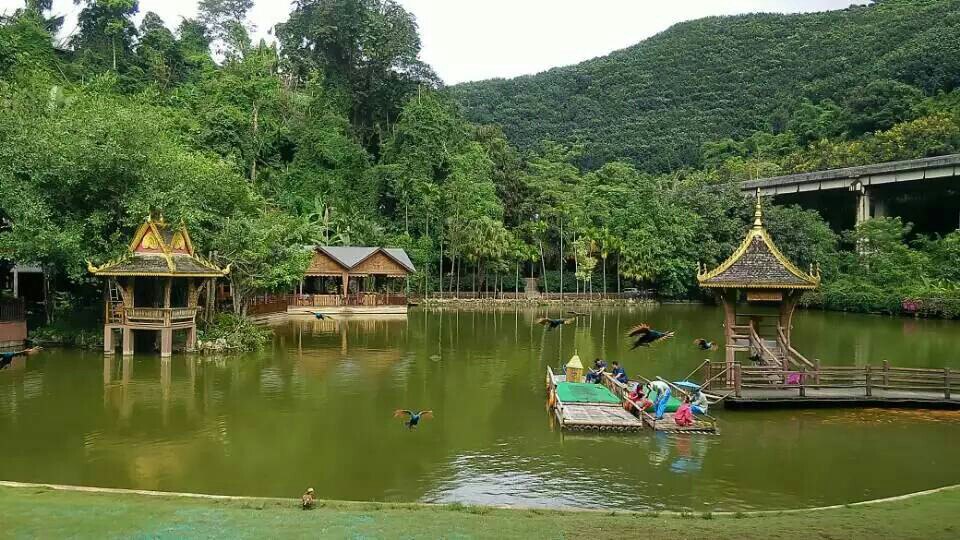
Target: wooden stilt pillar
column 127, row 341
column 192, row 339
column 166, row 343
column 108, row 339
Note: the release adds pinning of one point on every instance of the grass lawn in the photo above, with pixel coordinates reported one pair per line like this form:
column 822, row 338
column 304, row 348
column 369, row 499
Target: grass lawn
column 32, row 512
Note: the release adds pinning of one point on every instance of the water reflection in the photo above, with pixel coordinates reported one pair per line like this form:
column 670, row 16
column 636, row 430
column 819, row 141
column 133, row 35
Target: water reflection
column 315, row 408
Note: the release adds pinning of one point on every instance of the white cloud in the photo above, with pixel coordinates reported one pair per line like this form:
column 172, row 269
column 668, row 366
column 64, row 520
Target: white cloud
column 468, row 40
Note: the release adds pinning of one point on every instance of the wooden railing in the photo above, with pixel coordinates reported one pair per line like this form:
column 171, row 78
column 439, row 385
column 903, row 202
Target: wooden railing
column 12, row 310
column 336, row 300
column 792, row 354
column 765, row 354
column 159, row 317
column 267, row 304
column 511, row 295
column 866, row 378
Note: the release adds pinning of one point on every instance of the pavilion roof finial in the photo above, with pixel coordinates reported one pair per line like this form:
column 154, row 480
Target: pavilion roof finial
column 758, row 213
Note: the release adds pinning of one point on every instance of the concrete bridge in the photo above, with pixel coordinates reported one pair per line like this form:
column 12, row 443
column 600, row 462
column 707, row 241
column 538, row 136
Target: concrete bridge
column 868, row 191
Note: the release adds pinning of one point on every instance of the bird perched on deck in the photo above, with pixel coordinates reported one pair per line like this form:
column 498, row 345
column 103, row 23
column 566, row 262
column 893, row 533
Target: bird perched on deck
column 705, row 345
column 647, row 336
column 415, row 417
column 321, row 316
column 553, row 323
column 6, row 358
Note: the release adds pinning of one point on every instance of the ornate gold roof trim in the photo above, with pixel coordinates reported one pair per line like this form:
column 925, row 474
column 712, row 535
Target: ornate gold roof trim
column 812, row 280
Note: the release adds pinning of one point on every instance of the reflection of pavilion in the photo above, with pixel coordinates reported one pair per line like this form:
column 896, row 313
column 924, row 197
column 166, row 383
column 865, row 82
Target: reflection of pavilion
column 122, row 392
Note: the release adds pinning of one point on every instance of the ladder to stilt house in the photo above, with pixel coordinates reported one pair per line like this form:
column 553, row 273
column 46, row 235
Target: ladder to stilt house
column 114, row 303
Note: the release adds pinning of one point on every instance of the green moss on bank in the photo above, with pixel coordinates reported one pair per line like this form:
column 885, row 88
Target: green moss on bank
column 45, row 513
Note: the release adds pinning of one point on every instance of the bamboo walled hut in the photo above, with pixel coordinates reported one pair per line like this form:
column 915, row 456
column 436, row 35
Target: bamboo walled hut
column 155, row 287
column 760, row 274
column 357, row 278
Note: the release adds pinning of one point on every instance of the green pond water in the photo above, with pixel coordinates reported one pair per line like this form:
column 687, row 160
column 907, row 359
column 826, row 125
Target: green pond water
column 315, row 409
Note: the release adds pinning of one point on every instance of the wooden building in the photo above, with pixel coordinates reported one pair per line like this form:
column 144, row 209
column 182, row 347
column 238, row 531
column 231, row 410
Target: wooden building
column 758, row 273
column 155, row 287
column 354, row 277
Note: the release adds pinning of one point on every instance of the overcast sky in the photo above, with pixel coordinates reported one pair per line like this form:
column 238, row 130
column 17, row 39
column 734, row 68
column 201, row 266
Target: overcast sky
column 466, row 40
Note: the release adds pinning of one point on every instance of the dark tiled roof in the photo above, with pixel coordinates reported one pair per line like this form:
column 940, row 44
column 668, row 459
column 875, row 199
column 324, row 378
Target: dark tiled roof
column 757, row 266
column 350, row 256
column 138, row 264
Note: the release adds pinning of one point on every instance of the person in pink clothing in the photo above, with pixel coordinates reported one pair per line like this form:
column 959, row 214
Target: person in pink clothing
column 684, row 416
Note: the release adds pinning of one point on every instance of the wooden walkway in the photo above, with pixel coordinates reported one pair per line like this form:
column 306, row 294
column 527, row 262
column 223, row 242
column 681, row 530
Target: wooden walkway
column 836, row 386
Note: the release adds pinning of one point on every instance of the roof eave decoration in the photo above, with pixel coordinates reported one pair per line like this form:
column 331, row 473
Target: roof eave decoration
column 160, row 250
column 707, row 278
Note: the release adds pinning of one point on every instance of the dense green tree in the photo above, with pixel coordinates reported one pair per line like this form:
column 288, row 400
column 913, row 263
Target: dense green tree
column 105, row 33
column 225, row 21
column 368, row 49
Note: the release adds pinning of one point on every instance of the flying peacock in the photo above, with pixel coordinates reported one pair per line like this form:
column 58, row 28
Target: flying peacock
column 646, row 336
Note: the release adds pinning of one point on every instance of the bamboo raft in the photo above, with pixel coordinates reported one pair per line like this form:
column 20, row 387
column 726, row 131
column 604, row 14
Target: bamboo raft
column 701, row 424
column 590, row 416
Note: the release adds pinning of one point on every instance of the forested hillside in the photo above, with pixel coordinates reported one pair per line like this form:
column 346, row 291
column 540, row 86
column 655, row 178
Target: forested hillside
column 655, row 104
column 340, row 135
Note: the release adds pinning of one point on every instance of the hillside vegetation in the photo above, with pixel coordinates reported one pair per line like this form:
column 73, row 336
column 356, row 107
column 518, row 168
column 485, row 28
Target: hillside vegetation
column 656, row 103
column 343, row 138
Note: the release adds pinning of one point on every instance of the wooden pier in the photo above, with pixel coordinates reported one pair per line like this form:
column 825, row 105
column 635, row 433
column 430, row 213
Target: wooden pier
column 834, row 386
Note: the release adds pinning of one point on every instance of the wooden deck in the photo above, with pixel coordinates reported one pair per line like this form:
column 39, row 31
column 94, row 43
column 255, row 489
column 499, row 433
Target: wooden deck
column 596, row 417
column 840, row 397
column 836, row 386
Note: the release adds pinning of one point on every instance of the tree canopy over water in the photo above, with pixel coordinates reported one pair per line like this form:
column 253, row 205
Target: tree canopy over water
column 339, row 134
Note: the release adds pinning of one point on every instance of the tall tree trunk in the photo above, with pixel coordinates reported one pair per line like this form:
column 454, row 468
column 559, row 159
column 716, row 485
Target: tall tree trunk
column 561, row 257
column 256, row 128
column 543, row 262
column 604, row 277
column 48, row 303
column 618, row 272
column 459, row 263
column 516, row 284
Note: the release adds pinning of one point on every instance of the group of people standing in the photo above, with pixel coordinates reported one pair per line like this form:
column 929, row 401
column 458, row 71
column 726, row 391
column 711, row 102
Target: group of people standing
column 595, row 375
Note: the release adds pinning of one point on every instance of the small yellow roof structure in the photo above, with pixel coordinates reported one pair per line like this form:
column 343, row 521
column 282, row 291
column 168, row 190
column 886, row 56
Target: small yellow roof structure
column 575, row 362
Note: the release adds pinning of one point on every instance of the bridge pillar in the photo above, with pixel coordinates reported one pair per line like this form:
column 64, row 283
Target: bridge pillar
column 862, row 202
column 868, row 204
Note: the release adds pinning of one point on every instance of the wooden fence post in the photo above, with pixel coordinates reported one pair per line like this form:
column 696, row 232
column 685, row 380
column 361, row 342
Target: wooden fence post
column 866, row 380
column 737, row 379
column 886, row 373
column 816, row 363
column 803, row 381
column 706, row 384
column 946, row 382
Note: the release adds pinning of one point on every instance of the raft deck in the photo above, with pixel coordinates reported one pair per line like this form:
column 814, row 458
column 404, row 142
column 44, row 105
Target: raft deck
column 668, row 425
column 590, row 416
column 702, row 424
